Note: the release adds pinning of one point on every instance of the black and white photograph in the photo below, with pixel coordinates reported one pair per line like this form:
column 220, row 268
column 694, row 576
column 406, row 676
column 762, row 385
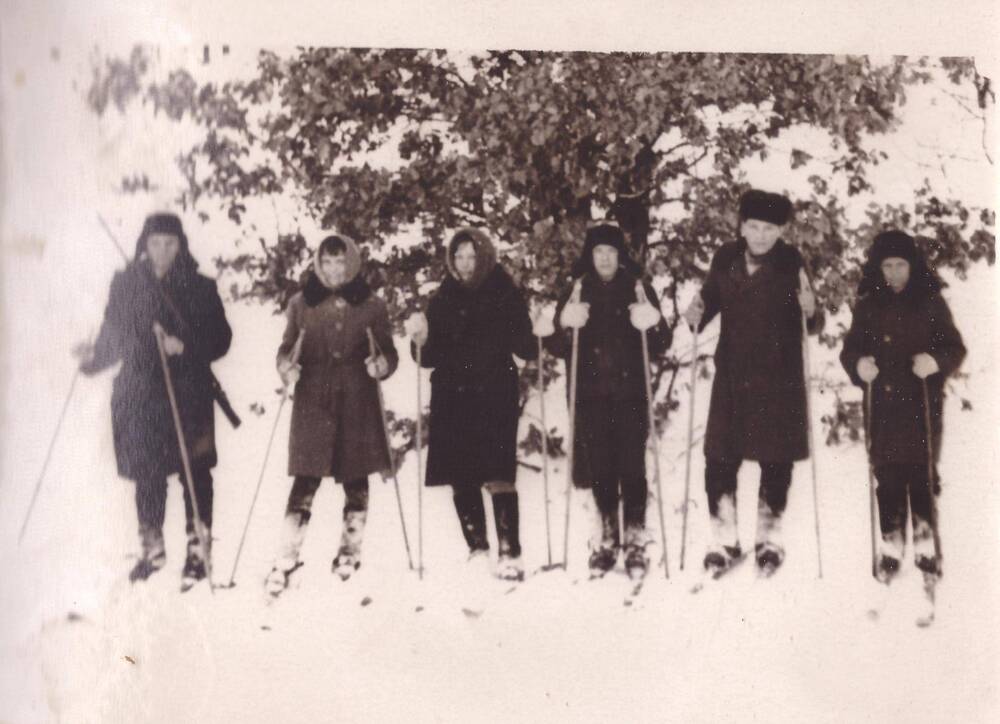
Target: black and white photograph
column 484, row 362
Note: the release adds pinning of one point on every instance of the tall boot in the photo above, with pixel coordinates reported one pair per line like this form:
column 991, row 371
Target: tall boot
column 154, row 553
column 604, row 545
column 769, row 550
column 472, row 518
column 293, row 533
column 348, row 557
column 724, row 550
column 507, row 518
column 196, row 562
column 636, row 559
column 891, row 555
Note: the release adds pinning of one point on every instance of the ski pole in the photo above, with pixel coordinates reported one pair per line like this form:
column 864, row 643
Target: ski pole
column 199, row 526
column 640, row 295
column 218, row 394
column 545, row 447
column 420, row 472
column 48, row 455
column 375, row 352
column 690, row 444
column 872, row 501
column 931, row 500
column 296, row 351
column 574, row 358
column 809, row 429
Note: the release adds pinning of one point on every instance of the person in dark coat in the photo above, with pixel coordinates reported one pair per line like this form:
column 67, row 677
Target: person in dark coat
column 195, row 334
column 612, row 418
column 336, row 428
column 475, row 322
column 902, row 338
column 758, row 404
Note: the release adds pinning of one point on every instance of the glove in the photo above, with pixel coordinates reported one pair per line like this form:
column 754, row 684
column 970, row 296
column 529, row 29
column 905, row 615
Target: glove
column 289, row 372
column 543, row 325
column 377, row 367
column 692, row 315
column 416, row 327
column 924, row 365
column 575, row 315
column 171, row 345
column 644, row 316
column 867, row 370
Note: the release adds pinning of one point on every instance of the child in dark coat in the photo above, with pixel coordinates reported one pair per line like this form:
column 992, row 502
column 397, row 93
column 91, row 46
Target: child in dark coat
column 901, row 346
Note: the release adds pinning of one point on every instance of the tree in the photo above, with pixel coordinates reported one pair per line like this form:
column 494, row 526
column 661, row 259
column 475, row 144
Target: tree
column 395, row 147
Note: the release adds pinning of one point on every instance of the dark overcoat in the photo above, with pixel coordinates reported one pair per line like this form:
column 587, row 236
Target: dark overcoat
column 758, row 404
column 336, row 425
column 473, row 333
column 893, row 328
column 144, row 435
column 610, row 376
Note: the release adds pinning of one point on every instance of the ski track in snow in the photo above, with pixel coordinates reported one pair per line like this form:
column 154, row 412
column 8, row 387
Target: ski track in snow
column 80, row 644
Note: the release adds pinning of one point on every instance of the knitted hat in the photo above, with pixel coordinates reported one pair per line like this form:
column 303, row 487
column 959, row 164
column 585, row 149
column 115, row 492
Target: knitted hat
column 607, row 234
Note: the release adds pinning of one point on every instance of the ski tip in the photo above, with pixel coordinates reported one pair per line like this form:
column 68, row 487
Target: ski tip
column 471, row 613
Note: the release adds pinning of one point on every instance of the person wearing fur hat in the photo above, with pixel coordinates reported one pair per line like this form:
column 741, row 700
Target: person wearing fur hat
column 336, row 428
column 475, row 322
column 758, row 405
column 161, row 287
column 902, row 336
column 612, row 421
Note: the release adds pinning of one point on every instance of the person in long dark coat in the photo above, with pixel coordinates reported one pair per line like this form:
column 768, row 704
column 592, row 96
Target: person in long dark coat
column 612, row 418
column 475, row 322
column 902, row 338
column 195, row 334
column 336, row 428
column 758, row 404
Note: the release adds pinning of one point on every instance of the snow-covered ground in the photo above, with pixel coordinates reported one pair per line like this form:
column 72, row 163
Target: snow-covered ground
column 79, row 644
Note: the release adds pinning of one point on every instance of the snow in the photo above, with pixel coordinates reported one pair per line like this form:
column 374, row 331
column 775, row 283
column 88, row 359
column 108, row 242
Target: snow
column 558, row 648
column 79, row 644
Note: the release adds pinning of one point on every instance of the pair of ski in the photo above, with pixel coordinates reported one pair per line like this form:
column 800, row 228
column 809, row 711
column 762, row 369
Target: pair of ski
column 635, row 579
column 712, row 575
column 925, row 616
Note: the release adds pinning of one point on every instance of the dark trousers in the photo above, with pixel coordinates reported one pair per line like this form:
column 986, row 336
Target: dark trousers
column 633, row 493
column 304, row 488
column 896, row 483
column 151, row 499
column 472, row 518
column 720, row 479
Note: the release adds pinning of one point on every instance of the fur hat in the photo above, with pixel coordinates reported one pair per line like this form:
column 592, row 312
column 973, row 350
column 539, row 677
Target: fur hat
column 893, row 243
column 772, row 208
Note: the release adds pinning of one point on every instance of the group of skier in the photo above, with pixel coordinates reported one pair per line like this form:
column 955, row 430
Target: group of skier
column 166, row 324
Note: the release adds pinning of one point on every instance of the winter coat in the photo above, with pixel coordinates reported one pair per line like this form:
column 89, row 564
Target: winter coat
column 144, row 435
column 473, row 331
column 337, row 427
column 893, row 328
column 758, row 404
column 610, row 375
